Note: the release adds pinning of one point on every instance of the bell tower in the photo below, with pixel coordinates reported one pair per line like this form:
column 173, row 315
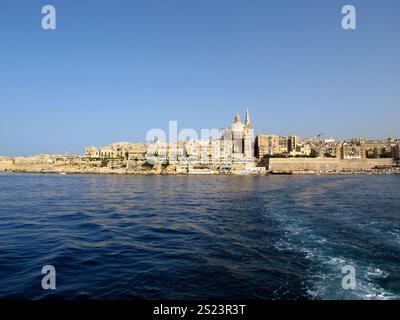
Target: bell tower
column 247, row 122
column 247, row 137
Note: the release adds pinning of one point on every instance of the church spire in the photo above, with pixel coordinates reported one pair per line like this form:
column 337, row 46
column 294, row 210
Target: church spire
column 247, row 122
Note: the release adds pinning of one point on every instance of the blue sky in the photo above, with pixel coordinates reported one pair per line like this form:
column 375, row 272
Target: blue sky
column 112, row 70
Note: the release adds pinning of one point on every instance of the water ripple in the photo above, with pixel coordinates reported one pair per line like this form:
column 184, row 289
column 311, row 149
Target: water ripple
column 144, row 237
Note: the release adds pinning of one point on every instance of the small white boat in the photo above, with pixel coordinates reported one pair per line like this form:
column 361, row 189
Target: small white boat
column 200, row 171
column 243, row 172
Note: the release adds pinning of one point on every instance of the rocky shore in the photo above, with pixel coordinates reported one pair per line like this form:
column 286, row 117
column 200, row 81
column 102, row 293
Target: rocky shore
column 82, row 165
column 170, row 170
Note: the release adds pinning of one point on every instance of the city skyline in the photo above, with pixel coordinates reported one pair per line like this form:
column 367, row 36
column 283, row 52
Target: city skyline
column 113, row 73
column 234, row 149
column 174, row 131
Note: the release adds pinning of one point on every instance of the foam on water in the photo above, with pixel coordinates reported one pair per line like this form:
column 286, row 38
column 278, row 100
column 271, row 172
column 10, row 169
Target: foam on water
column 328, row 257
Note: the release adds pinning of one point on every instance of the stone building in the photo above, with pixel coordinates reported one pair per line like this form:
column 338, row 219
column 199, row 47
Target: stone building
column 396, row 151
column 352, row 149
column 267, row 145
column 377, row 148
column 239, row 137
column 234, row 146
column 328, row 148
column 301, row 149
column 118, row 150
column 273, row 145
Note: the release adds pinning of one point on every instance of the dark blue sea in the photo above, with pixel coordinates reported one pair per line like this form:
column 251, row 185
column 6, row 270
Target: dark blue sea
column 199, row 237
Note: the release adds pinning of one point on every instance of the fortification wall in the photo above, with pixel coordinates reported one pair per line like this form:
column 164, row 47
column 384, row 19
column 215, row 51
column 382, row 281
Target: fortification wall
column 5, row 163
column 326, row 164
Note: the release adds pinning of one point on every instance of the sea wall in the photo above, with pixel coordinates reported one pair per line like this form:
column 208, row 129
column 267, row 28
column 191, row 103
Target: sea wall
column 273, row 164
column 75, row 165
column 5, row 163
column 326, row 164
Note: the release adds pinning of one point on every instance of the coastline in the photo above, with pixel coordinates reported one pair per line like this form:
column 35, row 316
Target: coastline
column 276, row 166
column 394, row 171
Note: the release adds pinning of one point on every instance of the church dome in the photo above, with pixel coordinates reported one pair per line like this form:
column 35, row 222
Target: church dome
column 237, row 126
column 237, row 118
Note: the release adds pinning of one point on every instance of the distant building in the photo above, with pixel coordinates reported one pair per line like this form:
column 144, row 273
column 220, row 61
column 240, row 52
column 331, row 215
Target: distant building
column 292, row 142
column 270, row 145
column 273, row 145
column 377, row 148
column 234, row 146
column 352, row 149
column 120, row 150
column 92, row 152
column 302, row 149
column 239, row 136
column 396, row 151
column 263, row 145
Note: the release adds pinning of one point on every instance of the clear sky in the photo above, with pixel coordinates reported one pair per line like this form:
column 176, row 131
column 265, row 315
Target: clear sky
column 112, row 70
